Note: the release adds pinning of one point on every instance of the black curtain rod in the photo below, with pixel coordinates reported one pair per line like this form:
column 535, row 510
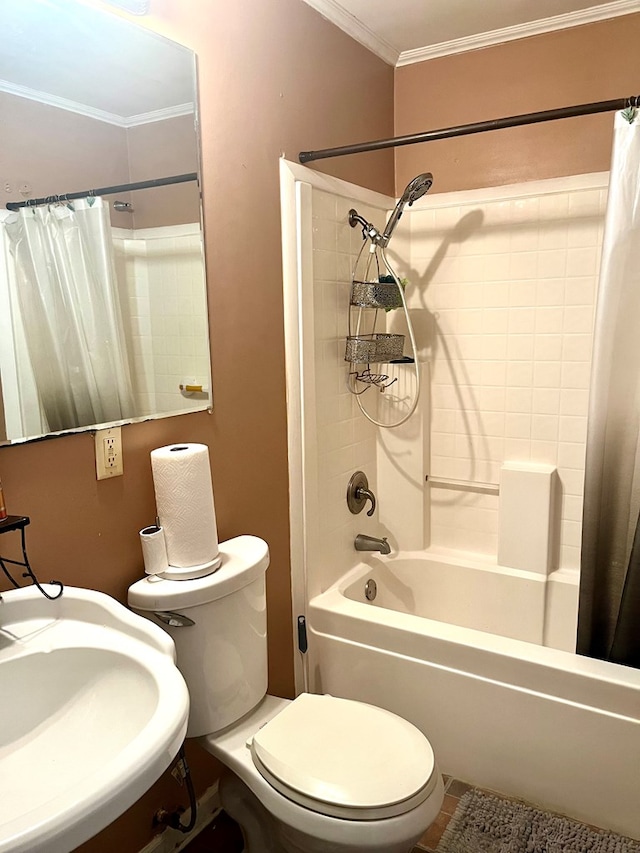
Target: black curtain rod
column 477, row 127
column 122, row 188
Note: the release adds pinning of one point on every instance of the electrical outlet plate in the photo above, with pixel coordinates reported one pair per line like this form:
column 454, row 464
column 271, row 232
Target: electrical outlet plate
column 108, row 453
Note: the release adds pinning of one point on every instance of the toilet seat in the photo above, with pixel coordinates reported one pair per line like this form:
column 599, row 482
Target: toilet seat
column 334, row 756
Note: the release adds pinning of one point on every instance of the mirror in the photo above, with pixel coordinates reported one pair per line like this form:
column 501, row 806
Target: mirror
column 103, row 314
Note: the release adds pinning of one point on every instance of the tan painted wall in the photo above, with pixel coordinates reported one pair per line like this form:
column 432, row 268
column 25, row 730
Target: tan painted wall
column 275, row 77
column 595, row 62
column 58, row 151
column 3, row 425
column 35, row 149
column 157, row 150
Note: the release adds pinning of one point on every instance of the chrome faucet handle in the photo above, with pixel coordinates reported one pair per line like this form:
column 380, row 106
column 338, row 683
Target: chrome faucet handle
column 358, row 494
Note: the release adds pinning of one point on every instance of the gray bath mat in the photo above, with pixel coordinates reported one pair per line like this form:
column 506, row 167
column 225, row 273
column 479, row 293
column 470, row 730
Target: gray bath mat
column 484, row 823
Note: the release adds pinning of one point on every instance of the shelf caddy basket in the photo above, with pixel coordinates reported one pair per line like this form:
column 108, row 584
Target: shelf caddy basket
column 369, row 349
column 375, row 294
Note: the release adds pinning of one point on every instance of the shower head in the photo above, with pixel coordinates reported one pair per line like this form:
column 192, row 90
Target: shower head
column 414, row 190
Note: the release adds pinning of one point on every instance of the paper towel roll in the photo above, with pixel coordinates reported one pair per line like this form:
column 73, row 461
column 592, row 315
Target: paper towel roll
column 154, row 550
column 184, row 500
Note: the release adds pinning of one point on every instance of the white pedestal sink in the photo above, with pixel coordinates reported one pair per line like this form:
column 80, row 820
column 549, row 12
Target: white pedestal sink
column 92, row 711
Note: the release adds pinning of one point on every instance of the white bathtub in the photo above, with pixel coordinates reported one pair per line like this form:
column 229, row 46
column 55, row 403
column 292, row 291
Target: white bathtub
column 554, row 728
column 463, row 592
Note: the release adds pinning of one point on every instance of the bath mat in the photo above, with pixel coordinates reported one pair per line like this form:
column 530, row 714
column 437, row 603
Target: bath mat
column 484, row 823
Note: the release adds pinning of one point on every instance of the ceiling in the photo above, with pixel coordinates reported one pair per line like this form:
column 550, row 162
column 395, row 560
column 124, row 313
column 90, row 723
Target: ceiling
column 73, row 56
column 148, row 77
column 406, row 31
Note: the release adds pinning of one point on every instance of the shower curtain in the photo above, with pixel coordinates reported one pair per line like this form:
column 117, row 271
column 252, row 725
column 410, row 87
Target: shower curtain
column 609, row 611
column 69, row 306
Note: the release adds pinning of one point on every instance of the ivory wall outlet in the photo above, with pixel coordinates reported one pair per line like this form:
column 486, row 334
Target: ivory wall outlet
column 108, row 453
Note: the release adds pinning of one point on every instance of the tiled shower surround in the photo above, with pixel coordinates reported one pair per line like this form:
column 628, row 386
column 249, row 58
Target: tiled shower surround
column 165, row 313
column 346, row 441
column 506, row 282
column 502, row 292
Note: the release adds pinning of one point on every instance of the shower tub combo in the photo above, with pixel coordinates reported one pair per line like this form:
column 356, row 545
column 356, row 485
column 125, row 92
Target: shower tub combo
column 453, row 646
column 554, row 728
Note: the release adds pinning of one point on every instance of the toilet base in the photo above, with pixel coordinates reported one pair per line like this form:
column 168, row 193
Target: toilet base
column 255, row 822
column 263, row 833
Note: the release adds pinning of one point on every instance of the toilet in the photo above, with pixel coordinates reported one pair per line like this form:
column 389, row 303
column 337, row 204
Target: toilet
column 316, row 774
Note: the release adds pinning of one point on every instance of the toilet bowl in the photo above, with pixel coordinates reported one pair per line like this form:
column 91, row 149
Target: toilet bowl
column 317, row 774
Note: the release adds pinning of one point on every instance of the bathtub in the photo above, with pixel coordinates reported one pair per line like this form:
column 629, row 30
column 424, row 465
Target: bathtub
column 501, row 711
column 462, row 591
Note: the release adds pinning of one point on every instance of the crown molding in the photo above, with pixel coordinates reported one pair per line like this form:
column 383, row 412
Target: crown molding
column 353, row 27
column 159, row 115
column 534, row 28
column 92, row 112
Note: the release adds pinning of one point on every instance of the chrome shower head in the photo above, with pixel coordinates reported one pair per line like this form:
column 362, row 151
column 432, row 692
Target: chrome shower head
column 414, row 190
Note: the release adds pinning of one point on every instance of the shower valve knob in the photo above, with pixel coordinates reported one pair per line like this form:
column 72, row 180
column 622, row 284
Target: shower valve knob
column 358, row 494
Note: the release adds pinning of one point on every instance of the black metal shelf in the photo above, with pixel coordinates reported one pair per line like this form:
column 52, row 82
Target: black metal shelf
column 19, row 522
column 14, row 522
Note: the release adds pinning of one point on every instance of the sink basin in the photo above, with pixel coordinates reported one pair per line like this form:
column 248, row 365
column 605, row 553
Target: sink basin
column 92, row 711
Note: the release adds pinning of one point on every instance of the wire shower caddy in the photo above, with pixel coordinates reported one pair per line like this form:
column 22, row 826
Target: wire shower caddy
column 364, row 344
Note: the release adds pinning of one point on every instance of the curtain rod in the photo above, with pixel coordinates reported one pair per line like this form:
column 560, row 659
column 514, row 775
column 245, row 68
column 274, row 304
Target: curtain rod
column 477, row 127
column 121, row 188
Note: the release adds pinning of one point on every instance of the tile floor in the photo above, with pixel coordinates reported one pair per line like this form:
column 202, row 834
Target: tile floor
column 453, row 790
column 223, row 836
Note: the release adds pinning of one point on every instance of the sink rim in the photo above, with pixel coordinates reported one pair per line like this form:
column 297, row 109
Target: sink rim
column 78, row 812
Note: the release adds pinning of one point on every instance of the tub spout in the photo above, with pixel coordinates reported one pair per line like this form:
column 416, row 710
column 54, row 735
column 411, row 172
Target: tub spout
column 371, row 543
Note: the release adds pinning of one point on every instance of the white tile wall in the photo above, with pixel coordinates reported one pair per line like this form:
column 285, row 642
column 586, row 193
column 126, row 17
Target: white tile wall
column 504, row 286
column 502, row 292
column 346, row 439
column 134, row 299
column 167, row 313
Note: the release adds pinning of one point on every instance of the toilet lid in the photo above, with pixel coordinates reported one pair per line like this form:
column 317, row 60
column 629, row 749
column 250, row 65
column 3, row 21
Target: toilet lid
column 345, row 758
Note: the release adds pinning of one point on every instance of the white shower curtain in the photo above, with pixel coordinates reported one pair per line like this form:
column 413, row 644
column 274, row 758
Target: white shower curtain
column 612, row 479
column 69, row 304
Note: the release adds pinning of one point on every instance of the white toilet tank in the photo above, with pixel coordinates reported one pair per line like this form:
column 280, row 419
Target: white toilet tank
column 219, row 626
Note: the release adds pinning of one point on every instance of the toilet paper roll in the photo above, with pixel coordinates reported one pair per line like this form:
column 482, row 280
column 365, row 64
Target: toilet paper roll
column 184, row 501
column 154, row 550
